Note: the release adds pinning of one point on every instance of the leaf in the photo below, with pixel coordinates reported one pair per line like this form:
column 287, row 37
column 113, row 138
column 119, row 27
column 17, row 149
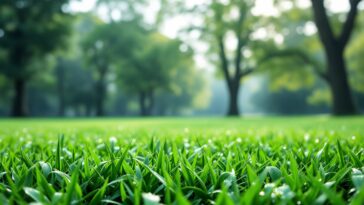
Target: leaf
column 57, row 197
column 332, row 196
column 224, row 199
column 199, row 192
column 99, row 195
column 274, row 173
column 340, row 152
column 70, row 191
column 358, row 197
column 357, row 178
column 181, row 199
column 36, row 195
column 46, row 168
column 158, row 176
column 3, row 200
column 106, row 201
column 59, row 152
column 43, row 184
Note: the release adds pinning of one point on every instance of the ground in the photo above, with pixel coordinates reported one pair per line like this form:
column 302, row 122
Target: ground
column 252, row 160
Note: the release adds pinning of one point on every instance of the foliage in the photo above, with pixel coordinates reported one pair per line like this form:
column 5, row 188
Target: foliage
column 31, row 30
column 77, row 84
column 356, row 62
column 174, row 161
column 189, row 91
column 151, row 65
column 108, row 44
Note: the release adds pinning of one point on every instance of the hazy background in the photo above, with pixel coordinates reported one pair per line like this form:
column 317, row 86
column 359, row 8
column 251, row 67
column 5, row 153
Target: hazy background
column 174, row 57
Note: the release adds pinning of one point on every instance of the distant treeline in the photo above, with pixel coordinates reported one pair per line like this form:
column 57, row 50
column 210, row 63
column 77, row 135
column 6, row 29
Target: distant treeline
column 301, row 60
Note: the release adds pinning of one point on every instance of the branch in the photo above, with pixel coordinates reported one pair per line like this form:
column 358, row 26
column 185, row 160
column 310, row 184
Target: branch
column 242, row 41
column 246, row 72
column 322, row 23
column 296, row 53
column 348, row 26
column 223, row 58
column 239, row 45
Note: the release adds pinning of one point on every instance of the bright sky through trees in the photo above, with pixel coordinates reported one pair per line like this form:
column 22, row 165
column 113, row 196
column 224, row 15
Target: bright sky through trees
column 172, row 26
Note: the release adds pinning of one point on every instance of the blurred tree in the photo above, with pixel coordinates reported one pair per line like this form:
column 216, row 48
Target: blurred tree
column 219, row 24
column 289, row 100
column 335, row 45
column 70, row 62
column 31, row 30
column 159, row 66
column 302, row 55
column 4, row 95
column 233, row 34
column 354, row 54
column 299, row 55
column 188, row 90
column 41, row 95
column 104, row 48
column 75, row 87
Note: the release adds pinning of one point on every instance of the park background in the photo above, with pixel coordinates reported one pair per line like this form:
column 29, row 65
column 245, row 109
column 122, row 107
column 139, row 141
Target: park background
column 181, row 58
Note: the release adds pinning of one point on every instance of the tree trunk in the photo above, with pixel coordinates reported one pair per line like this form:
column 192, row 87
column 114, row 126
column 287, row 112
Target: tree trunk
column 150, row 103
column 100, row 98
column 61, row 92
column 233, row 109
column 88, row 109
column 142, row 104
column 146, row 103
column 334, row 46
column 61, row 108
column 19, row 99
column 343, row 103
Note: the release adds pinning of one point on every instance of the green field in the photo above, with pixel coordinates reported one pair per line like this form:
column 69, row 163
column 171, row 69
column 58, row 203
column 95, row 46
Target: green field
column 252, row 160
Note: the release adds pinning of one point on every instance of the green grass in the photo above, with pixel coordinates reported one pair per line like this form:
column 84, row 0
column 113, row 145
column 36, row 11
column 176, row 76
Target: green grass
column 296, row 160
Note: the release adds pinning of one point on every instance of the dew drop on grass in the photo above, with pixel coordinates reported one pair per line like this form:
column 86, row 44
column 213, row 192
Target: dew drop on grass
column 317, row 141
column 113, row 140
column 150, row 198
column 307, row 137
column 261, row 193
column 353, row 137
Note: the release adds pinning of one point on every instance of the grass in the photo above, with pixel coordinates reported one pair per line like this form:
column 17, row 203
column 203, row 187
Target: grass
column 297, row 160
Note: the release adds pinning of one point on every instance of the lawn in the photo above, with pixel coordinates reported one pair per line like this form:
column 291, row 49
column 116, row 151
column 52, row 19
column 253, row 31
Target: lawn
column 252, row 160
